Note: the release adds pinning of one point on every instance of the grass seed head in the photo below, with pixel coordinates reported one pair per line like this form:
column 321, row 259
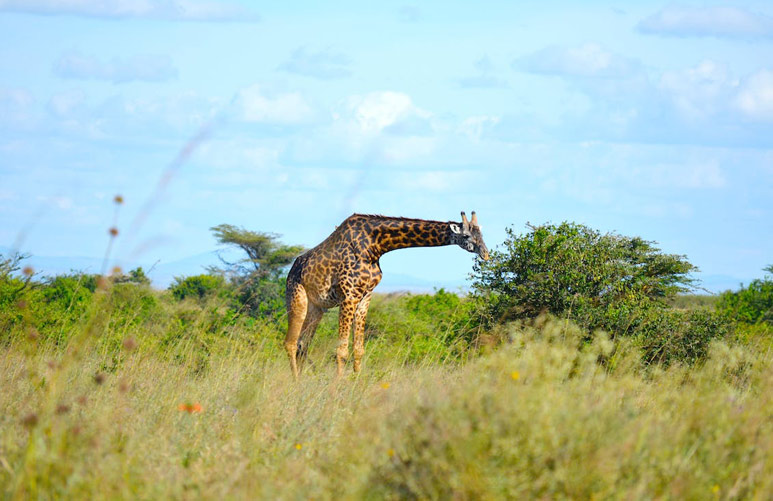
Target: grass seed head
column 30, row 420
column 129, row 344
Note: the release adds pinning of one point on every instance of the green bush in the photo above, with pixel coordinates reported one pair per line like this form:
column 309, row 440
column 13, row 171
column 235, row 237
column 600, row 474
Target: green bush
column 416, row 328
column 751, row 304
column 260, row 296
column 197, row 286
column 610, row 282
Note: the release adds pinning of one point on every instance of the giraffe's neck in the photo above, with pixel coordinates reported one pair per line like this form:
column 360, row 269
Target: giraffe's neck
column 388, row 234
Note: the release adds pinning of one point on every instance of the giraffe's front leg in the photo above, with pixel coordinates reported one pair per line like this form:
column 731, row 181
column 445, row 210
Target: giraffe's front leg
column 297, row 303
column 345, row 317
column 359, row 330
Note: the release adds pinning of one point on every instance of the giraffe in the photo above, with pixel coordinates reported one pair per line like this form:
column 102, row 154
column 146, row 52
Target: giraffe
column 344, row 269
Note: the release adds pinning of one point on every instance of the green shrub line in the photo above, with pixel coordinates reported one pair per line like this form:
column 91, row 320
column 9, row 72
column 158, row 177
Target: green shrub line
column 602, row 282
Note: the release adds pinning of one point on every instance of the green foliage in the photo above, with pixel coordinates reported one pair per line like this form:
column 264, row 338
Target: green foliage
column 751, row 304
column 258, row 280
column 667, row 336
column 422, row 327
column 554, row 268
column 12, row 287
column 197, row 286
column 602, row 281
column 266, row 255
column 260, row 296
column 136, row 276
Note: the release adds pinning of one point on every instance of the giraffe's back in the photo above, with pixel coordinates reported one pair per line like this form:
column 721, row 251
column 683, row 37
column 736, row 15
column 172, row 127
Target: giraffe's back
column 340, row 260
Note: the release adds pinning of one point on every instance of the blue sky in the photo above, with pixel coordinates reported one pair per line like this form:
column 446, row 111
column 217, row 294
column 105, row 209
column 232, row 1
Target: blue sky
column 652, row 119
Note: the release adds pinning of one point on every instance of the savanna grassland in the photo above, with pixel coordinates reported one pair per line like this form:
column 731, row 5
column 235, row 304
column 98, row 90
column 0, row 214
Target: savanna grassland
column 111, row 390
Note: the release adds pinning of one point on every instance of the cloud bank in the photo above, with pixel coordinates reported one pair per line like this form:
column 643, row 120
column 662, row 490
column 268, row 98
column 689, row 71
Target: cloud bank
column 587, row 60
column 322, row 64
column 147, row 68
column 727, row 22
column 170, row 10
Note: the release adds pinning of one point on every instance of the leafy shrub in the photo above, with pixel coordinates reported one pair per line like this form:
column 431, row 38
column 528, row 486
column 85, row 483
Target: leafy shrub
column 197, row 286
column 751, row 304
column 136, row 276
column 260, row 296
column 668, row 336
column 419, row 327
column 556, row 268
column 602, row 281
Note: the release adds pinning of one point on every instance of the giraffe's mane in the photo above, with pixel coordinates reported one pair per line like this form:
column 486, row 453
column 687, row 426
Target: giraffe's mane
column 382, row 217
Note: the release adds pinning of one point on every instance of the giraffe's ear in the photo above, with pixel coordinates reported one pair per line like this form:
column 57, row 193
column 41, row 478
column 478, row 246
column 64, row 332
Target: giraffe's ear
column 455, row 228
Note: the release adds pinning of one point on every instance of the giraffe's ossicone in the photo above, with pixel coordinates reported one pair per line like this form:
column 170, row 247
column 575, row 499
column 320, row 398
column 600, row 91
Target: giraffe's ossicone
column 344, row 269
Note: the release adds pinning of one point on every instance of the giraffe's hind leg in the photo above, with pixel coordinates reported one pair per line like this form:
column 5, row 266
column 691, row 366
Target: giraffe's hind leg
column 313, row 316
column 297, row 306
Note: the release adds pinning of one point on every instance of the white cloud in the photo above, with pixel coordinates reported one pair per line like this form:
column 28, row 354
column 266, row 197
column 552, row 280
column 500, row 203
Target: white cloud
column 485, row 76
column 172, row 10
column 755, row 97
column 322, row 64
column 690, row 176
column 474, row 127
column 718, row 21
column 149, row 68
column 59, row 202
column 65, row 104
column 382, row 126
column 376, row 111
column 241, row 156
column 16, row 107
column 700, row 91
column 254, row 104
column 587, row 60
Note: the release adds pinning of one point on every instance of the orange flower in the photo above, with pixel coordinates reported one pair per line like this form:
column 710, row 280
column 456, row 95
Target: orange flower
column 113, row 231
column 190, row 408
column 118, row 199
column 385, row 385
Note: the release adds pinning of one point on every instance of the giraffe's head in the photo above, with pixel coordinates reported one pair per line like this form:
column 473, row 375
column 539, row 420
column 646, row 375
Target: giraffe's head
column 468, row 236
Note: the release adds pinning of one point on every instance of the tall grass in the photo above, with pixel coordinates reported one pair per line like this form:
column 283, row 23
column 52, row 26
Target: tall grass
column 543, row 416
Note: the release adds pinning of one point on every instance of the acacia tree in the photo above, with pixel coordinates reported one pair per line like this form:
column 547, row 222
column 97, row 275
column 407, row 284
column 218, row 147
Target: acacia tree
column 258, row 278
